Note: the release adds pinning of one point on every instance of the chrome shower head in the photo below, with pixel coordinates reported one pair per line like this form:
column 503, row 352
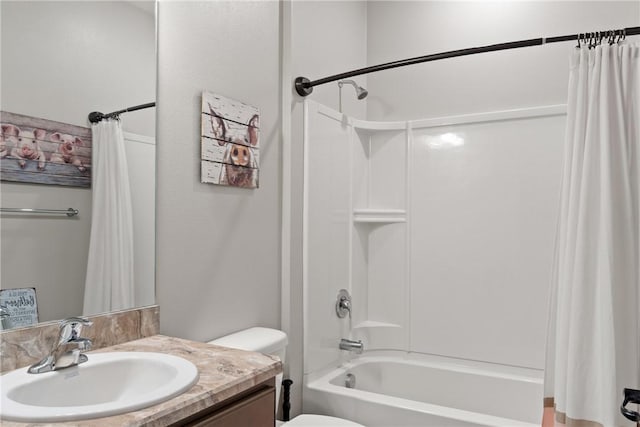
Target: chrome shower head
column 361, row 92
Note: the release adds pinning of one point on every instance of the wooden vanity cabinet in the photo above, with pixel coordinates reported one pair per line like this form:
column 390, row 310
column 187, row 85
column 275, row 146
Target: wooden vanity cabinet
column 252, row 408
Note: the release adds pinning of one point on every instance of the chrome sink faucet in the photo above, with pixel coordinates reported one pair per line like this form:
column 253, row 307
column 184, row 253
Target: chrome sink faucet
column 5, row 318
column 67, row 351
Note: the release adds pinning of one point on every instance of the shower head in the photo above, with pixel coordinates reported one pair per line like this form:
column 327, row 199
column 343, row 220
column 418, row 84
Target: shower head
column 361, row 92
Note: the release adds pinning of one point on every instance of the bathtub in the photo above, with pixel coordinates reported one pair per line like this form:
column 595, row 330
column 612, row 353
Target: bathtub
column 408, row 389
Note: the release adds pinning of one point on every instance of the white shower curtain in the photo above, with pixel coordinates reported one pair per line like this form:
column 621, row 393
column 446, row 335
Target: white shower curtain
column 109, row 282
column 594, row 335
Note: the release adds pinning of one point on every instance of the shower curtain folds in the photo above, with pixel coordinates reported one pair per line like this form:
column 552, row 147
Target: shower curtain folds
column 109, row 282
column 593, row 341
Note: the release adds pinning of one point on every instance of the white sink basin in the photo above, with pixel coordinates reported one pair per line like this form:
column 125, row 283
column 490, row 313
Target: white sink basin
column 108, row 384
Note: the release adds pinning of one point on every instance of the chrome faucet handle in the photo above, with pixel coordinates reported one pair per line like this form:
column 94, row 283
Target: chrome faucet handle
column 343, row 304
column 5, row 318
column 71, row 327
column 67, row 351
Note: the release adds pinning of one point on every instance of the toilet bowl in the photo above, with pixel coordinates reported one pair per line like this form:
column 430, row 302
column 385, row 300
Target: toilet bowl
column 274, row 342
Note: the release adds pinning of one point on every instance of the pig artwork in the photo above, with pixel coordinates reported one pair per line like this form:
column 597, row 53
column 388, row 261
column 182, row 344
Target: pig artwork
column 239, row 176
column 252, row 133
column 28, row 147
column 217, row 127
column 8, row 139
column 230, row 143
column 35, row 150
column 67, row 150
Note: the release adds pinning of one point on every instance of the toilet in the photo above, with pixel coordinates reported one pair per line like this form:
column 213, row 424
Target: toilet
column 274, row 342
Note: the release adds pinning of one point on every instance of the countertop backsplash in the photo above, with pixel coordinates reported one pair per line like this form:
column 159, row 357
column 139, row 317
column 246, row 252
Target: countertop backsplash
column 25, row 346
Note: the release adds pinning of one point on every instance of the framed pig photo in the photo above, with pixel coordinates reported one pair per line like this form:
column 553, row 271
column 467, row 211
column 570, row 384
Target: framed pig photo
column 230, row 142
column 40, row 151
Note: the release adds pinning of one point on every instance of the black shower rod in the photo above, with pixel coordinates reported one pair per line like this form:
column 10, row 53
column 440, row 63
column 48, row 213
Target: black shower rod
column 304, row 86
column 96, row 116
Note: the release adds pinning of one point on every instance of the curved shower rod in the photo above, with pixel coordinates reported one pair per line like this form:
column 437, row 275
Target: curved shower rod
column 96, row 116
column 304, row 86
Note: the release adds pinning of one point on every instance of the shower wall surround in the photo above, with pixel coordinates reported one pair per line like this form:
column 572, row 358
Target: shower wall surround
column 346, row 46
column 440, row 228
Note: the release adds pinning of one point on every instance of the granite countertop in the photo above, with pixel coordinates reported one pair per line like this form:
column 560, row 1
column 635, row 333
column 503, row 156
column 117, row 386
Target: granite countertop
column 224, row 372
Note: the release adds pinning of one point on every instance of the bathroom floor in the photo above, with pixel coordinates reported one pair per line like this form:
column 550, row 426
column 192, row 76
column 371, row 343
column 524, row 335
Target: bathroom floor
column 548, row 419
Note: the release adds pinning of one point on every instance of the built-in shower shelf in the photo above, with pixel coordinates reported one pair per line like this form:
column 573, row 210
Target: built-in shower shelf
column 384, row 216
column 375, row 324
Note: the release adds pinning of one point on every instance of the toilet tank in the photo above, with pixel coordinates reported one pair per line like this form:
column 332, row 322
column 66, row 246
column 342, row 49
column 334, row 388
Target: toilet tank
column 263, row 340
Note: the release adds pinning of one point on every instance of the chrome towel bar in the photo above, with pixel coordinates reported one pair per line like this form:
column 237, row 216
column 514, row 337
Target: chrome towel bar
column 68, row 212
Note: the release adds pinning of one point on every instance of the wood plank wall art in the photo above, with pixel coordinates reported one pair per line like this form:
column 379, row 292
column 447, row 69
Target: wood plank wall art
column 230, row 144
column 40, row 151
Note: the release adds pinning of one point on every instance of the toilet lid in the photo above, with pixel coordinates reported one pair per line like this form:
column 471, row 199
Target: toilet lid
column 309, row 420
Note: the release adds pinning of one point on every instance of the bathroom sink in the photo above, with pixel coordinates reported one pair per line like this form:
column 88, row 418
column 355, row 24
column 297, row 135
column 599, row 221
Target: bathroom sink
column 107, row 384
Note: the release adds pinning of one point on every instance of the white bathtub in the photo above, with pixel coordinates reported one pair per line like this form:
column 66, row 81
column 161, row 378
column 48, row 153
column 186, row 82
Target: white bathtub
column 418, row 390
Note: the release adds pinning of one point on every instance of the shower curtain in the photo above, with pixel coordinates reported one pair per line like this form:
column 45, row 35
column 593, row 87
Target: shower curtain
column 109, row 280
column 594, row 335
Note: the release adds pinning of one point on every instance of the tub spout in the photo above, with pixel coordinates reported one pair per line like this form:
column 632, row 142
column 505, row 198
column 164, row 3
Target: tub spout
column 350, row 345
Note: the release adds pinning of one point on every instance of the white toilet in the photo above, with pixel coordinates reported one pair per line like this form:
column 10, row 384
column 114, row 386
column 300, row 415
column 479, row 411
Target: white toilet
column 274, row 342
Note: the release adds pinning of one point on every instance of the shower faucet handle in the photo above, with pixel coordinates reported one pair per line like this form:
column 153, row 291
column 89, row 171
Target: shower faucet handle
column 343, row 304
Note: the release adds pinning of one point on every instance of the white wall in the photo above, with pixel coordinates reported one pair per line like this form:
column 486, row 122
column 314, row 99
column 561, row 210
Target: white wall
column 330, row 37
column 516, row 78
column 63, row 59
column 141, row 163
column 483, row 218
column 480, row 260
column 218, row 258
column 60, row 61
column 326, row 37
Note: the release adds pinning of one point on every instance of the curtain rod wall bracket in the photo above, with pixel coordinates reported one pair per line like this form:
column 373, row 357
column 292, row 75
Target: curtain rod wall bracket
column 302, row 86
column 95, row 116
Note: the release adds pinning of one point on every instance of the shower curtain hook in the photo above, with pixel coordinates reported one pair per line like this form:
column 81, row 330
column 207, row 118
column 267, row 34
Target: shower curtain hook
column 579, row 37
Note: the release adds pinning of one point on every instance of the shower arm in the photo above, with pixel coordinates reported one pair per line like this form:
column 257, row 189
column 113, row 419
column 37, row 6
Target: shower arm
column 304, row 86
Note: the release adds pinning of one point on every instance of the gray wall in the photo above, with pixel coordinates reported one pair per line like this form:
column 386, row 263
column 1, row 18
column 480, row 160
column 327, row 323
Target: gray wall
column 218, row 259
column 60, row 61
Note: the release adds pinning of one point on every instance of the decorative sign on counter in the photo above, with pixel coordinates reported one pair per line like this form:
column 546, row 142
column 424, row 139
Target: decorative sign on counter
column 22, row 306
column 230, row 142
column 41, row 151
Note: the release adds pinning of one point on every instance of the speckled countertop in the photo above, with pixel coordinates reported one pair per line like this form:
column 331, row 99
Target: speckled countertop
column 224, row 372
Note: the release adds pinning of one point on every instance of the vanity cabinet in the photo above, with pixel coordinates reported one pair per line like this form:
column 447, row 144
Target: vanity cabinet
column 253, row 408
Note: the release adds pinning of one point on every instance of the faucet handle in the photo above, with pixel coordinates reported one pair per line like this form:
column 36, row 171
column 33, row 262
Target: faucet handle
column 343, row 304
column 71, row 327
